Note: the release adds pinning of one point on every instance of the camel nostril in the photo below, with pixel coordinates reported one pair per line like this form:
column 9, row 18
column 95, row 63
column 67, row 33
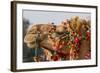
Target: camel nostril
column 29, row 38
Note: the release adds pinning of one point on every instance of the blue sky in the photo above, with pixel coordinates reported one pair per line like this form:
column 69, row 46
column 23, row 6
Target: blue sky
column 37, row 17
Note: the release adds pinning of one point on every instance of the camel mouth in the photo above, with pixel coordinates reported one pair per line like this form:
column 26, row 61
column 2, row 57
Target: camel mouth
column 30, row 38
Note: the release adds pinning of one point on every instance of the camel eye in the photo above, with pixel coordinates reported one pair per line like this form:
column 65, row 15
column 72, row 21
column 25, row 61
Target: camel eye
column 52, row 23
column 64, row 23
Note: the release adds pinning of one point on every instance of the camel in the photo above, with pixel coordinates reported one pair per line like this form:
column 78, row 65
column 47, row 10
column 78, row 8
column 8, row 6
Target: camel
column 49, row 35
